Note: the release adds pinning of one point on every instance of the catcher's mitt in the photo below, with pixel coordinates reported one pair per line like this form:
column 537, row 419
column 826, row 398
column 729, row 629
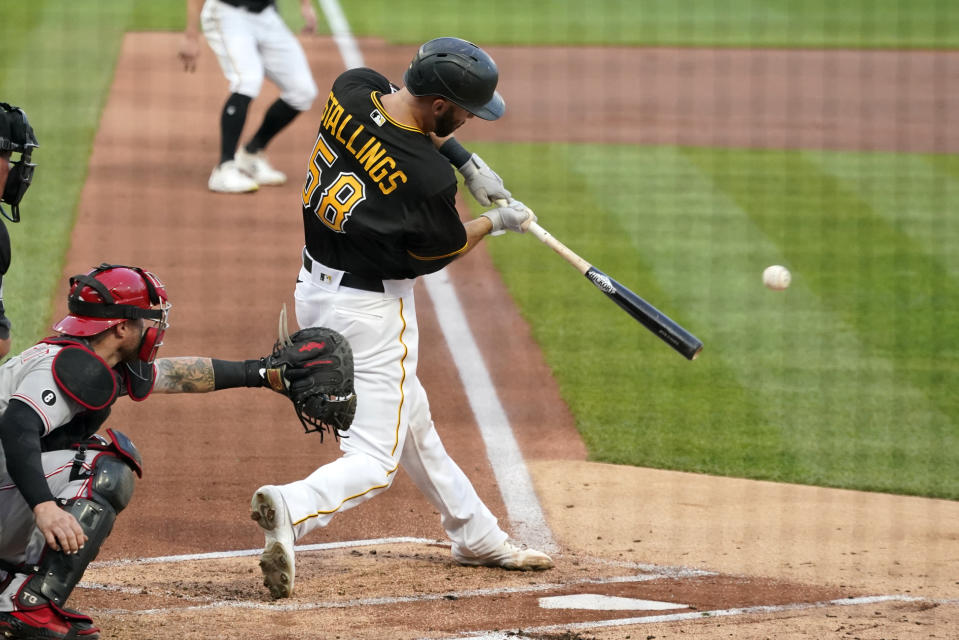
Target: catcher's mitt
column 314, row 368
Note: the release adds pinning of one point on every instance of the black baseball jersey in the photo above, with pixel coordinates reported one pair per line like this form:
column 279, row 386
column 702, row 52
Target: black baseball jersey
column 379, row 198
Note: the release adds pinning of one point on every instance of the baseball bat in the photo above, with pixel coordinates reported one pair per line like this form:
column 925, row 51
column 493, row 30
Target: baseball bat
column 646, row 314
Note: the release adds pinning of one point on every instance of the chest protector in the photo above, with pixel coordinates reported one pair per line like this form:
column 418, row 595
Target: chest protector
column 87, row 379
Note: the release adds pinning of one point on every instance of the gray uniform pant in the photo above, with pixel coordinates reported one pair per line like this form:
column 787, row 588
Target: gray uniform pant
column 20, row 540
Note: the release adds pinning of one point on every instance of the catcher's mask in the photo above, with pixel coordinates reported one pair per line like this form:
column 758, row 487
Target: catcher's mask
column 459, row 71
column 110, row 294
column 16, row 135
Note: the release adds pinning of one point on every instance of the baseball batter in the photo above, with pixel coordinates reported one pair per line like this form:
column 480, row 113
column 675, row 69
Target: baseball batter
column 251, row 42
column 62, row 484
column 378, row 212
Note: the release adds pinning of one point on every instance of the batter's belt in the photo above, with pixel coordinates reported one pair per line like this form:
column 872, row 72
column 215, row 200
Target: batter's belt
column 253, row 6
column 350, row 280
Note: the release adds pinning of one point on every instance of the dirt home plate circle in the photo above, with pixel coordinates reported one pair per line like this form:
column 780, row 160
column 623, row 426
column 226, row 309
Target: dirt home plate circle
column 776, row 277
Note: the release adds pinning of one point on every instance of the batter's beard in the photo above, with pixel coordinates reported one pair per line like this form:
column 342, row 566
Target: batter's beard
column 446, row 124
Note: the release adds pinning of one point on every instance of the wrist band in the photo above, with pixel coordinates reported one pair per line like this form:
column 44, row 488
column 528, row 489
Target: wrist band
column 455, row 152
column 228, row 374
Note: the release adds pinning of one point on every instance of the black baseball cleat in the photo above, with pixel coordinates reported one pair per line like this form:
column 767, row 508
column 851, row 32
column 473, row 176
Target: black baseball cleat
column 47, row 623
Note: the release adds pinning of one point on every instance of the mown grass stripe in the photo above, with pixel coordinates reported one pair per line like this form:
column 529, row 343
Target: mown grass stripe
column 797, row 386
column 882, row 285
column 730, row 23
column 680, row 215
column 911, row 192
column 592, row 345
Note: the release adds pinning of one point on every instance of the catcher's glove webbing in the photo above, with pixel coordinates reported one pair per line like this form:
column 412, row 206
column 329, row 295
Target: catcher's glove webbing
column 314, row 368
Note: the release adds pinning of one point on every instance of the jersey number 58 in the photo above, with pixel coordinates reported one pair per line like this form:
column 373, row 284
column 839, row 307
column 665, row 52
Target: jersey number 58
column 334, row 204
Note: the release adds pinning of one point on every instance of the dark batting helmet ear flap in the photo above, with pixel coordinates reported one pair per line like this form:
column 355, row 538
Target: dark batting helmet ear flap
column 458, row 71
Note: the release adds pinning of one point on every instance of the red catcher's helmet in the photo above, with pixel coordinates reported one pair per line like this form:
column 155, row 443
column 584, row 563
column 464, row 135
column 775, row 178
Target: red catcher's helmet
column 110, row 294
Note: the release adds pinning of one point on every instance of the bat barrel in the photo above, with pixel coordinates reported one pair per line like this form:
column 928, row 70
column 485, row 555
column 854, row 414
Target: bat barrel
column 646, row 314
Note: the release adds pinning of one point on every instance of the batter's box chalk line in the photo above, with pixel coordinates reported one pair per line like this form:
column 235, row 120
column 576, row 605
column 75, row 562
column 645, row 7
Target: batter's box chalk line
column 696, row 615
column 649, row 573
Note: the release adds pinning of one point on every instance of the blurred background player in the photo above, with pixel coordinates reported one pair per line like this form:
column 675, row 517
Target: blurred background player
column 16, row 136
column 251, row 41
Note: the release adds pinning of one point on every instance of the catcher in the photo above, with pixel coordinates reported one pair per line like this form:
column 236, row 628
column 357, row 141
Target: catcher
column 62, row 484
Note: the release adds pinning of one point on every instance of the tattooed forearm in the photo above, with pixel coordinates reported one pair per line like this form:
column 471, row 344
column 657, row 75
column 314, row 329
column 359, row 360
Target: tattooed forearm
column 186, row 374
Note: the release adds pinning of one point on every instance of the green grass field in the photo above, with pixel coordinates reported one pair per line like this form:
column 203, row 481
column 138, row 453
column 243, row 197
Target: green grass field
column 736, row 23
column 845, row 380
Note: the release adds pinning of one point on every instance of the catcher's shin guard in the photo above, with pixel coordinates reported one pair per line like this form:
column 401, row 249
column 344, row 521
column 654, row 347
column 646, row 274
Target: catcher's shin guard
column 57, row 572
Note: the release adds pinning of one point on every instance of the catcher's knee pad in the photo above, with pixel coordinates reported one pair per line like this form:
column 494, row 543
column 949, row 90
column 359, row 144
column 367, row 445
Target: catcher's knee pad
column 111, row 488
column 112, row 481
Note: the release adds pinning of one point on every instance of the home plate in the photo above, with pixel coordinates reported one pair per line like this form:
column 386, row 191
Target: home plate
column 596, row 601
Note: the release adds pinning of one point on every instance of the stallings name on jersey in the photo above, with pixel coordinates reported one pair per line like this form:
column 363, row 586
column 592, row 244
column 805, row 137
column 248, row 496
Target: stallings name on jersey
column 365, row 147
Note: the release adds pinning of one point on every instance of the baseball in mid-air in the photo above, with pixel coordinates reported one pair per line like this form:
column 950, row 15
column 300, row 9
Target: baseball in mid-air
column 776, row 277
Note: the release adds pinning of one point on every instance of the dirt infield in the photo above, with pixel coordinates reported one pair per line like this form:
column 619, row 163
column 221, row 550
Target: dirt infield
column 721, row 557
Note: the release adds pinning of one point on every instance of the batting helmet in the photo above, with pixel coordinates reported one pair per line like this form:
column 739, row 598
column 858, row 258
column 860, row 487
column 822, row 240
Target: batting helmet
column 459, row 71
column 110, row 294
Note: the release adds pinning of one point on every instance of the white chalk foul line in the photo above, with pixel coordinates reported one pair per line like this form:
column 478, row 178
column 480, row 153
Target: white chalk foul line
column 696, row 615
column 342, row 36
column 516, row 487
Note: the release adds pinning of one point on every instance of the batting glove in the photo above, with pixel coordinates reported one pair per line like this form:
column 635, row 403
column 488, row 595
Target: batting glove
column 483, row 182
column 515, row 216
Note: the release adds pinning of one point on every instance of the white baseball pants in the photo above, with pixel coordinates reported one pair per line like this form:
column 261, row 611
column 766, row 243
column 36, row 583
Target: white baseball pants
column 250, row 46
column 392, row 427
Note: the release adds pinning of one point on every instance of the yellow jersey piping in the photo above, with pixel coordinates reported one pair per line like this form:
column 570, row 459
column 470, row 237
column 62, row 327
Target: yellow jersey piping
column 374, row 95
column 399, row 410
column 457, row 252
